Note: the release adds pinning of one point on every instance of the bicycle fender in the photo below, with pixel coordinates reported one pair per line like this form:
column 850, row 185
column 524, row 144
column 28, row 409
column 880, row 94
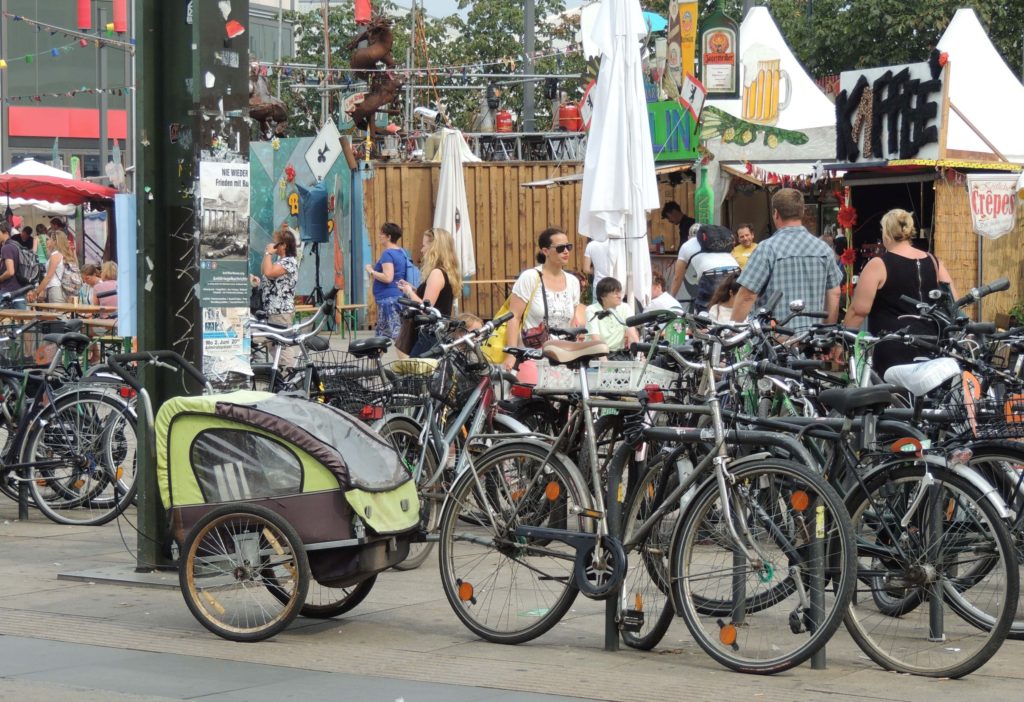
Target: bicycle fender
column 510, row 424
column 988, row 491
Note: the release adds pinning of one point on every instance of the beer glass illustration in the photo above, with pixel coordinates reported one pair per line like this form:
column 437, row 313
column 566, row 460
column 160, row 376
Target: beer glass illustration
column 763, row 81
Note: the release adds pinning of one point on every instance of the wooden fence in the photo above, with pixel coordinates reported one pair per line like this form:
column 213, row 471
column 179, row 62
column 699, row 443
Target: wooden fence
column 505, row 217
column 956, row 245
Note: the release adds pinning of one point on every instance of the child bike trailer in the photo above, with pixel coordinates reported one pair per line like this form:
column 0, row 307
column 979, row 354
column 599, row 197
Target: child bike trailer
column 264, row 491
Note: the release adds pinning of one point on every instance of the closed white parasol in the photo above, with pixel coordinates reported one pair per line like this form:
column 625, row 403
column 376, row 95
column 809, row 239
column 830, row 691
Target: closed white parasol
column 619, row 184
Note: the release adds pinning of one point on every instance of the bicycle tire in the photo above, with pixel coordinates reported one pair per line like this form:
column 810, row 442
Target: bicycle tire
column 404, row 435
column 87, row 487
column 759, row 639
column 324, row 601
column 955, row 526
column 232, row 556
column 991, row 459
column 508, row 589
column 646, row 587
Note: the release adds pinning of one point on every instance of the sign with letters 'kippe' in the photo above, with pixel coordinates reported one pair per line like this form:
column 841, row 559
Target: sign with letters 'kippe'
column 993, row 199
column 889, row 113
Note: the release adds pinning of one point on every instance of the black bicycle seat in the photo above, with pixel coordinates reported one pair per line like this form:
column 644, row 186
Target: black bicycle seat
column 369, row 348
column 317, row 343
column 847, row 401
column 73, row 341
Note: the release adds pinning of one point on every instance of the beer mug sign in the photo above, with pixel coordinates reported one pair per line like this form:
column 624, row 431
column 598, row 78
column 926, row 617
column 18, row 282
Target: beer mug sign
column 763, row 80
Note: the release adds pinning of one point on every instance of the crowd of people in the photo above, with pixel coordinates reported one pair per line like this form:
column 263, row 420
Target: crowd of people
column 721, row 273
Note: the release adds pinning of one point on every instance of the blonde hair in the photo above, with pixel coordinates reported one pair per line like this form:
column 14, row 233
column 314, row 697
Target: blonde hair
column 898, row 225
column 59, row 240
column 442, row 255
column 108, row 271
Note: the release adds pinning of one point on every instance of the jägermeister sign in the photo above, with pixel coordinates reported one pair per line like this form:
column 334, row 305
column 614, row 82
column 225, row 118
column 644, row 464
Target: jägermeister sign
column 720, row 56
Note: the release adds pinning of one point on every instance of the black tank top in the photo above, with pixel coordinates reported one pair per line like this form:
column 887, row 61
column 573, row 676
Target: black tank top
column 443, row 303
column 915, row 278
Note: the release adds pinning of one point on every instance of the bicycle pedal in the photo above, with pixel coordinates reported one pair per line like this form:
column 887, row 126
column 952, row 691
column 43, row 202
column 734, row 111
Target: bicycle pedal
column 589, row 513
column 631, row 620
column 796, row 622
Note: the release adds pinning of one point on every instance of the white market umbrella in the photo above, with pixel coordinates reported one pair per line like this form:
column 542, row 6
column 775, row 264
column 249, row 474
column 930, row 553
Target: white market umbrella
column 619, row 183
column 451, row 211
column 31, row 167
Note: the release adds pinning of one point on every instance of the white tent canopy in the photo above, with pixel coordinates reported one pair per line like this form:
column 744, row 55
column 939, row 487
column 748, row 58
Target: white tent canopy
column 31, row 167
column 979, row 78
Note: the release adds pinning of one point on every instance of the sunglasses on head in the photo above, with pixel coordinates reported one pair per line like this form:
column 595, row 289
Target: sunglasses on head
column 562, row 248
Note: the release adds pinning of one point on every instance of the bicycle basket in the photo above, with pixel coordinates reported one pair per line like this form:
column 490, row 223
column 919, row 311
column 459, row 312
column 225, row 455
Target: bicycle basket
column 411, row 382
column 630, row 376
column 989, row 418
column 23, row 347
column 349, row 383
column 452, row 382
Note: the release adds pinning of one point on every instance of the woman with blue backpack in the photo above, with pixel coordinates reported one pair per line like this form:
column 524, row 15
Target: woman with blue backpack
column 392, row 266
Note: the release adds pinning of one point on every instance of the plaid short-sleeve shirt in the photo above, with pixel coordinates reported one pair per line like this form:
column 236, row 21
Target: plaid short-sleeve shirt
column 799, row 264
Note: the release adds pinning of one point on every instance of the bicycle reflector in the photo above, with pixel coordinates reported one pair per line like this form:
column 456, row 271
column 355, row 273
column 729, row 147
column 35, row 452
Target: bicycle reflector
column 523, row 392
column 371, row 412
column 654, row 393
column 126, row 392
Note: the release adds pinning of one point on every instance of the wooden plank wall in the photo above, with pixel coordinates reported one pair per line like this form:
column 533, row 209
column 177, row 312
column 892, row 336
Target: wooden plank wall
column 505, row 217
column 956, row 245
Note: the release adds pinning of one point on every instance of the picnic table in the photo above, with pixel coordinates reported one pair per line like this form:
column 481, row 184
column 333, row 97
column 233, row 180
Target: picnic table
column 72, row 308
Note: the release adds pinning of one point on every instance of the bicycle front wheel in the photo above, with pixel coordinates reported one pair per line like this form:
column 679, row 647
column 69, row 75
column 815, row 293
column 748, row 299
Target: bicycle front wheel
column 763, row 592
column 507, row 588
column 83, row 454
column 938, row 541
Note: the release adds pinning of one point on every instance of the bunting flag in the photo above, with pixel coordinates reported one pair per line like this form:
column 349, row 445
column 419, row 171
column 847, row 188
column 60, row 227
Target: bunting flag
column 96, row 39
column 123, row 90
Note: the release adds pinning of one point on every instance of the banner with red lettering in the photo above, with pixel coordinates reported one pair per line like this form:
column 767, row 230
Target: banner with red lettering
column 993, row 200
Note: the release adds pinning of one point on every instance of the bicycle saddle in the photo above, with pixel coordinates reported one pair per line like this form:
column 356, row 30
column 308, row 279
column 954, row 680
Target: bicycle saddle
column 921, row 378
column 572, row 351
column 847, row 401
column 374, row 346
column 317, row 343
column 75, row 342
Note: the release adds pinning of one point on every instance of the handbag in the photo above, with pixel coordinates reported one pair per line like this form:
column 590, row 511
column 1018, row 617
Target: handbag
column 493, row 347
column 406, row 336
column 535, row 337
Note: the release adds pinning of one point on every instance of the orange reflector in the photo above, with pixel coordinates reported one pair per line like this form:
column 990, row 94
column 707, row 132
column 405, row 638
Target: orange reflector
column 465, row 591
column 650, row 490
column 552, row 491
column 119, row 472
column 639, row 603
column 517, row 495
column 800, row 500
column 78, row 484
column 727, row 634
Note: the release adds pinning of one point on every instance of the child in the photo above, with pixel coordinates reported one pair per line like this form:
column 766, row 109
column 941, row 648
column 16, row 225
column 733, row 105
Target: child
column 660, row 298
column 611, row 327
column 720, row 305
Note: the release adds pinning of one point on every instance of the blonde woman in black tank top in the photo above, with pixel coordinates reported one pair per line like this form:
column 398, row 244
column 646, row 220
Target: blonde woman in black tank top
column 902, row 270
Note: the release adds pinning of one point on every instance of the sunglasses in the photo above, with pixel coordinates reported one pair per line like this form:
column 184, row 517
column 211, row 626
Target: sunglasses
column 562, row 248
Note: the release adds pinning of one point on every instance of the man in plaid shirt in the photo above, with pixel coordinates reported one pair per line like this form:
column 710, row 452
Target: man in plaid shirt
column 794, row 261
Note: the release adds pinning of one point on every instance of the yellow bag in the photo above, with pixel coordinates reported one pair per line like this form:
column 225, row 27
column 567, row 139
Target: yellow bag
column 493, row 346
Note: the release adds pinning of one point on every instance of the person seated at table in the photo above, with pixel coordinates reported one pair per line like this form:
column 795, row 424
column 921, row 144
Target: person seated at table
column 62, row 261
column 661, row 299
column 606, row 319
column 90, row 277
column 105, row 291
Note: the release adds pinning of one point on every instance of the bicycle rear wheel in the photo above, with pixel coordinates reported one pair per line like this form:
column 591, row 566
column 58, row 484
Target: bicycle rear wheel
column 404, row 435
column 507, row 588
column 243, row 572
column 765, row 620
column 950, row 547
column 83, row 451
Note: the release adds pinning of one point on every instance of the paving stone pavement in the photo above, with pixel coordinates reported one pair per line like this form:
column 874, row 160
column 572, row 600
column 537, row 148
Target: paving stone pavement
column 402, row 642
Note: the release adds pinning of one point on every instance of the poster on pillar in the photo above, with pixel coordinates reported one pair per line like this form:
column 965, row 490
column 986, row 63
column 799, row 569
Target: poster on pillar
column 993, row 200
column 223, row 266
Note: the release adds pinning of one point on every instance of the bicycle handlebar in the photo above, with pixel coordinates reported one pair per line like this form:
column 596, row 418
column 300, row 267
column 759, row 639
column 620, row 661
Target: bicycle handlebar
column 157, row 357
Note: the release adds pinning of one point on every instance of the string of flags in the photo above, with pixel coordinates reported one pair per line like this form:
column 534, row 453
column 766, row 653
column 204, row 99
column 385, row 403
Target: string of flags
column 455, row 71
column 55, row 52
column 84, row 38
column 84, row 90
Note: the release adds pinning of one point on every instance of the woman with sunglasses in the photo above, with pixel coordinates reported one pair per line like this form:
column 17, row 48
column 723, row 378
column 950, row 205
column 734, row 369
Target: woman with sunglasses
column 547, row 283
column 278, row 285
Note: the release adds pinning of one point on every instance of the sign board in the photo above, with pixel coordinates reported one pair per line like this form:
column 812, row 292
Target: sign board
column 888, row 113
column 675, row 133
column 993, row 199
column 324, row 150
column 720, row 56
column 587, row 105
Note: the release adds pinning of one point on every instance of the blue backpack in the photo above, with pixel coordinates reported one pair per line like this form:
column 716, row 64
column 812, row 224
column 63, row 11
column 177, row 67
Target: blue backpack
column 412, row 273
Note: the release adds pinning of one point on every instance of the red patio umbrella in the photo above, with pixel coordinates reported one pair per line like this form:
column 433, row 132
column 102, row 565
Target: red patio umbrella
column 63, row 190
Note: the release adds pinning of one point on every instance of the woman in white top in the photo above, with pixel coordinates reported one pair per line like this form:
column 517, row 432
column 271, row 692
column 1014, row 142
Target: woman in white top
column 561, row 291
column 61, row 257
column 720, row 305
